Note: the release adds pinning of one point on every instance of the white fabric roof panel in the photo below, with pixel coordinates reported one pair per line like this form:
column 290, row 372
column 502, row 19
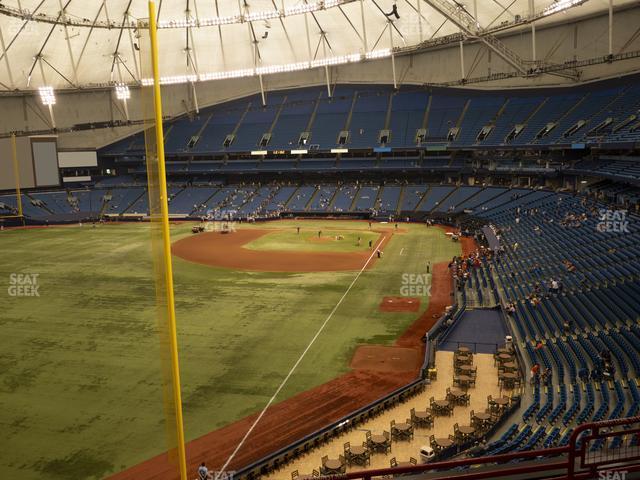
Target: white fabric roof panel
column 85, row 53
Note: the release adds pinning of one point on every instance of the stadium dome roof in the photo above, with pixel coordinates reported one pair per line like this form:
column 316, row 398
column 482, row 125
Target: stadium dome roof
column 91, row 43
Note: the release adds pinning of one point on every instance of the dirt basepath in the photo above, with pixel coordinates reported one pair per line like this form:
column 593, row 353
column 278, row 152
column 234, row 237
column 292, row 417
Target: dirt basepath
column 227, row 251
column 292, row 419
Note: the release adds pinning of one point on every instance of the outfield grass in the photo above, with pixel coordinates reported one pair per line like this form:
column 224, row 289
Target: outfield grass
column 80, row 382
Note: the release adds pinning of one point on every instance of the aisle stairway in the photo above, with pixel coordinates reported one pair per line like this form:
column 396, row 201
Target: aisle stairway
column 570, row 332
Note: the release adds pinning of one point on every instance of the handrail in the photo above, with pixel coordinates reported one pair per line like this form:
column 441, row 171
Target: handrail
column 450, row 464
column 593, row 427
column 567, row 462
column 345, row 420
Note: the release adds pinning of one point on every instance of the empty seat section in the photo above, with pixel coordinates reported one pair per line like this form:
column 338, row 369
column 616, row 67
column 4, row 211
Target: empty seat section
column 190, row 199
column 433, row 197
column 331, row 118
column 450, row 204
column 322, row 198
column 279, row 199
column 255, row 123
column 221, row 124
column 480, row 112
column 366, row 198
column 443, row 114
column 368, row 119
column 300, row 198
column 407, row 115
column 177, row 139
column 292, row 121
column 411, row 197
column 516, row 112
column 344, row 198
column 389, row 198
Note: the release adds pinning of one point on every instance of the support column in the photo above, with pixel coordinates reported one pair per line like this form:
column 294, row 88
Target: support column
column 532, row 9
column 610, row 27
column 462, row 74
column 393, row 57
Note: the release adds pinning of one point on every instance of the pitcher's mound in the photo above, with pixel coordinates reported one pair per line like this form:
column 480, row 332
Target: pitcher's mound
column 385, row 359
column 400, row 304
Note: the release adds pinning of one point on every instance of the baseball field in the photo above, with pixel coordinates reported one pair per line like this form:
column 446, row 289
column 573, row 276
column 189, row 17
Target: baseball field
column 80, row 376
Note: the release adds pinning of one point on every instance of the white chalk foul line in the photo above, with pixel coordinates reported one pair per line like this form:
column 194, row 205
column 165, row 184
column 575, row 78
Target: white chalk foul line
column 295, row 365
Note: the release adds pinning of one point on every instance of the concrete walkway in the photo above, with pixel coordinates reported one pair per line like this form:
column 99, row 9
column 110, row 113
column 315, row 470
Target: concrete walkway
column 486, row 384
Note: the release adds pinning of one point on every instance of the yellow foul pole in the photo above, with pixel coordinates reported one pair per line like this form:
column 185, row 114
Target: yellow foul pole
column 166, row 240
column 16, row 172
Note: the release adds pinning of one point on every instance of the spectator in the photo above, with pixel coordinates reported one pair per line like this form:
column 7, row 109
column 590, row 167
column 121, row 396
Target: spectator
column 535, row 370
column 204, row 473
column 583, row 374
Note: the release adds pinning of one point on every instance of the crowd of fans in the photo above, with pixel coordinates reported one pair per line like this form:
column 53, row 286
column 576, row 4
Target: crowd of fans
column 461, row 267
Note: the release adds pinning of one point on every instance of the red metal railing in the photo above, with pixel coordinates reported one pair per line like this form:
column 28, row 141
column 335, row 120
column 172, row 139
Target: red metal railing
column 574, row 461
column 582, row 463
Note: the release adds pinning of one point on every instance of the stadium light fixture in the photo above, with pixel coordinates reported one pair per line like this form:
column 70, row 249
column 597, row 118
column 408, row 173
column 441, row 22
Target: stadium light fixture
column 47, row 96
column 266, row 70
column 171, row 80
column 561, row 5
column 246, row 72
column 338, row 60
column 259, row 16
column 289, row 67
column 374, row 54
column 122, row 92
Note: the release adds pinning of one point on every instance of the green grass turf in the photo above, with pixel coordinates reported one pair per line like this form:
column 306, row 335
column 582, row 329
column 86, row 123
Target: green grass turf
column 308, row 241
column 80, row 380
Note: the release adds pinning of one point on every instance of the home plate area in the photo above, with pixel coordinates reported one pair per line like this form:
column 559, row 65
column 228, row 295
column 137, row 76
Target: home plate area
column 400, row 304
